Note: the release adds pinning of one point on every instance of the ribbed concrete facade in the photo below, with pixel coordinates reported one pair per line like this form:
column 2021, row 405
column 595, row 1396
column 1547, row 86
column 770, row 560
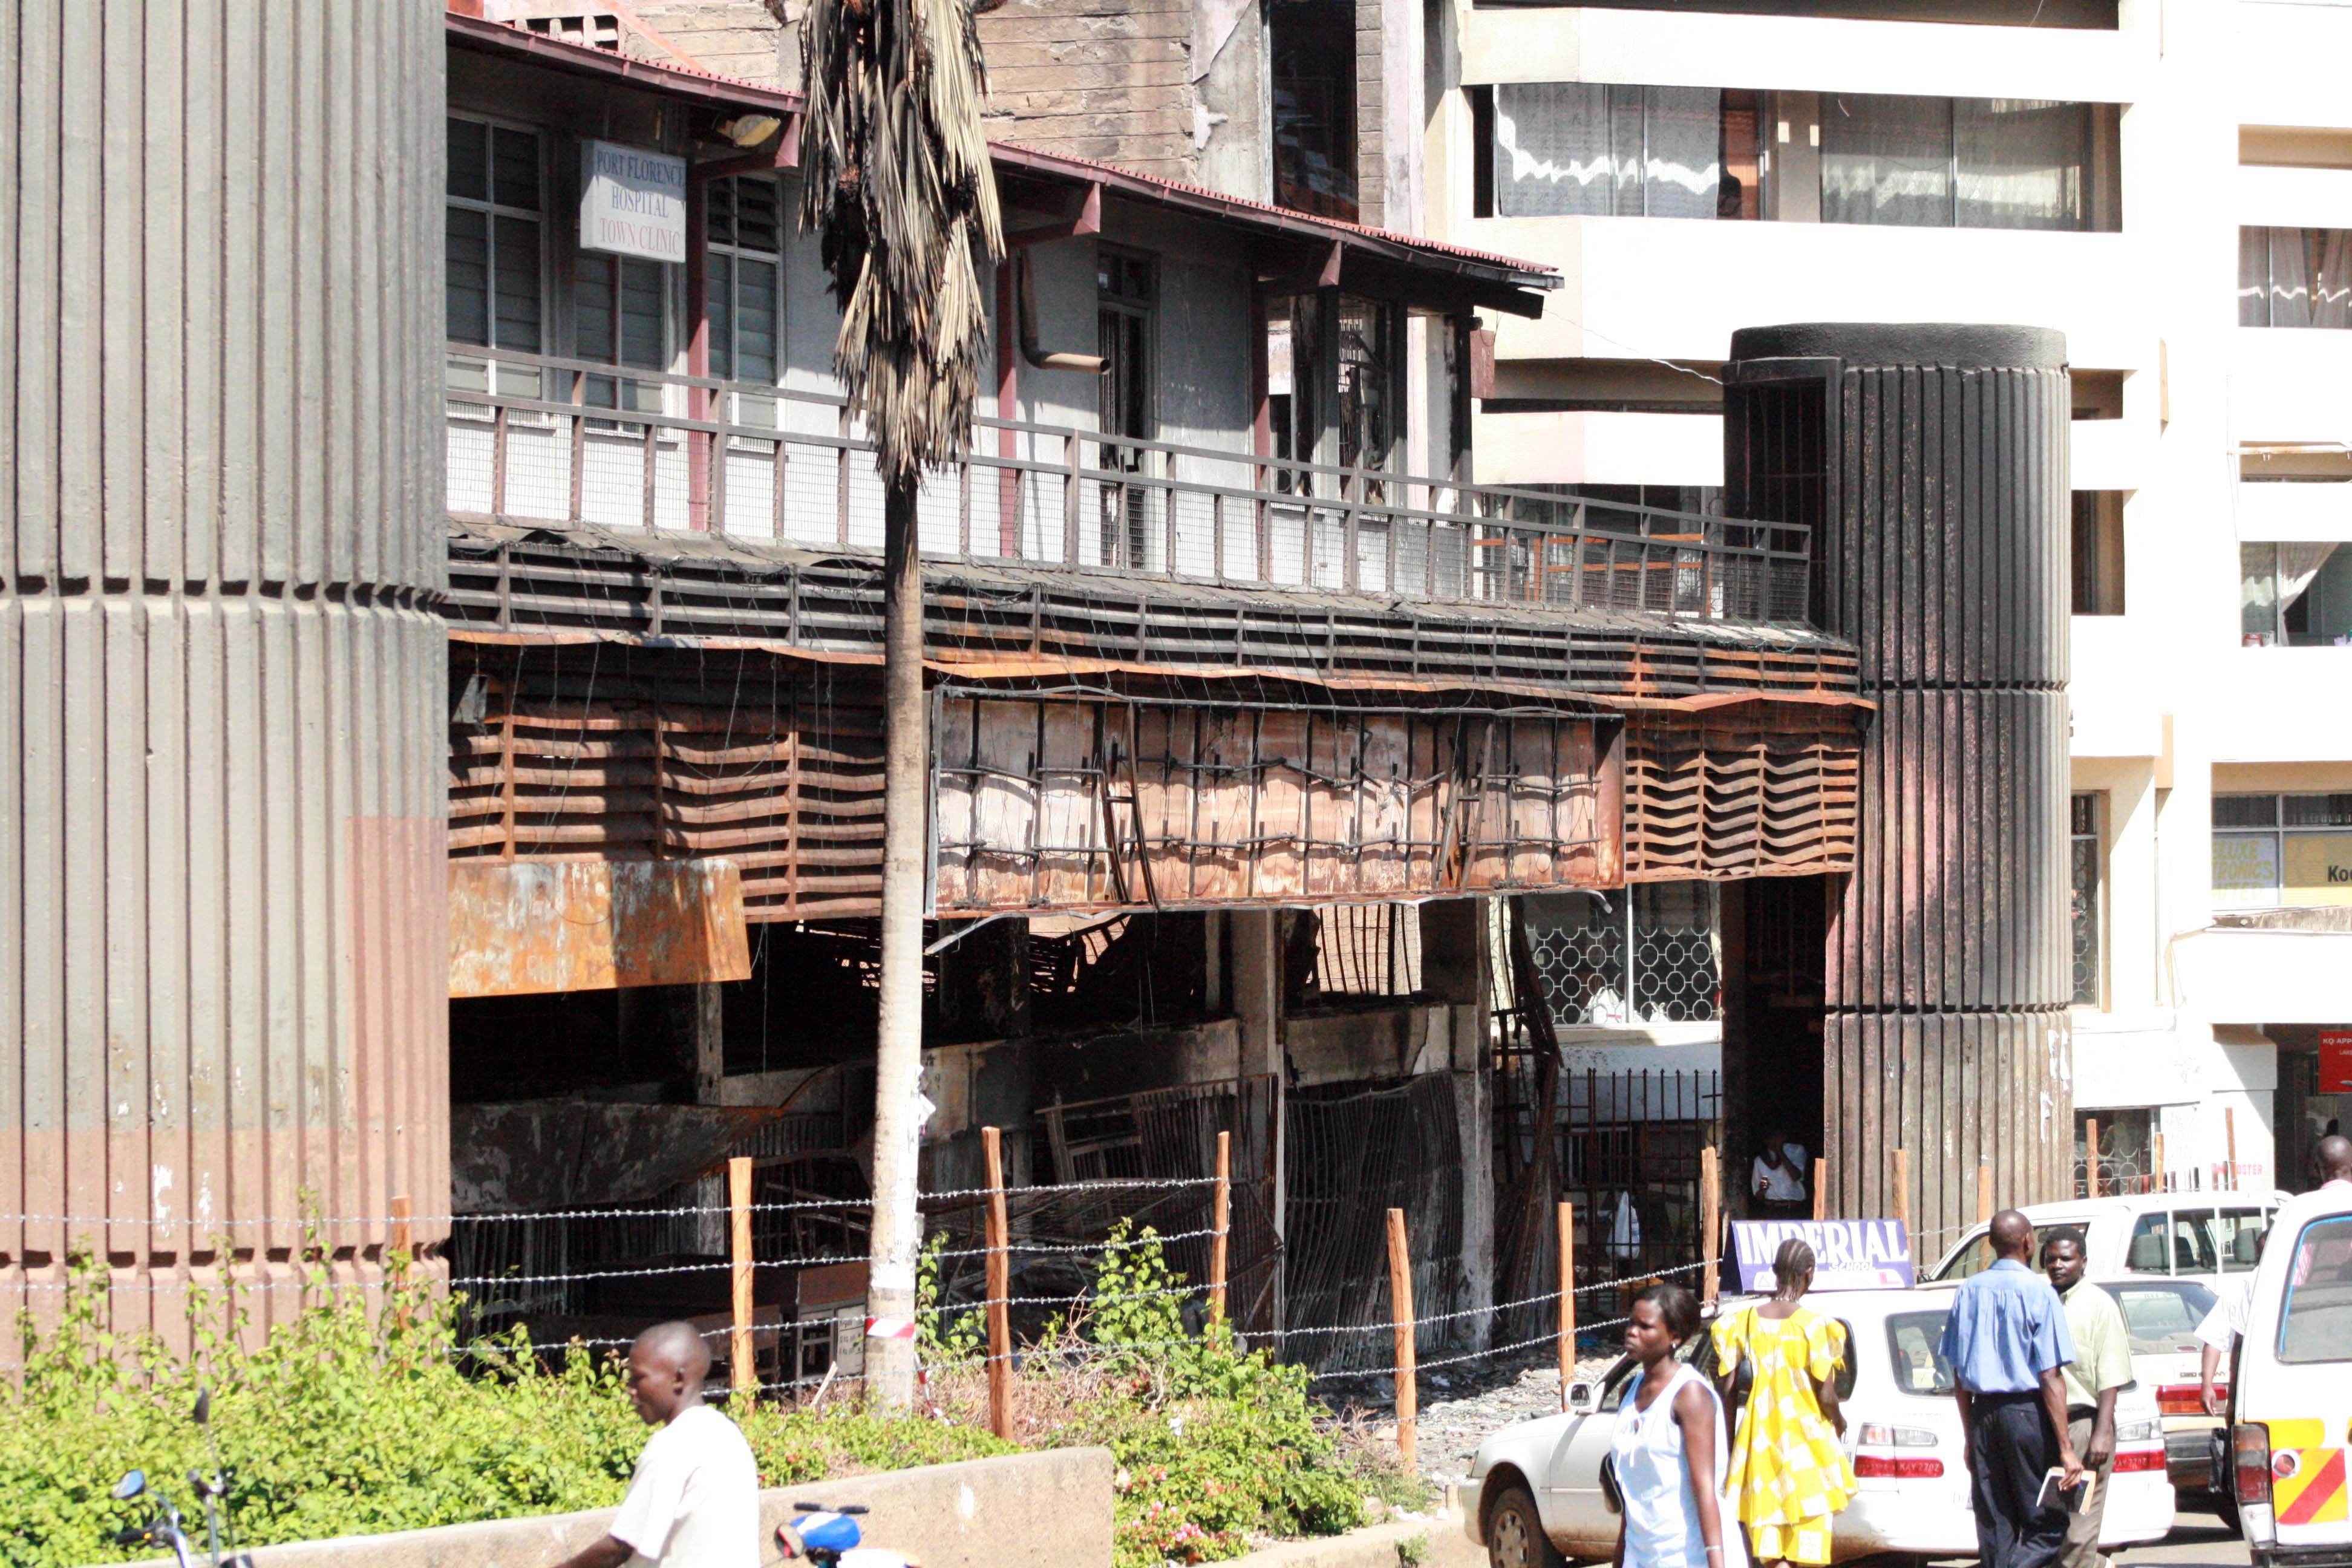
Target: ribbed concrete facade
column 222, row 683
column 1932, row 462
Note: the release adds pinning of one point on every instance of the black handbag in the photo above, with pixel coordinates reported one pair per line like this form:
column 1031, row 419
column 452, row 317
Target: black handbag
column 1615, row 1498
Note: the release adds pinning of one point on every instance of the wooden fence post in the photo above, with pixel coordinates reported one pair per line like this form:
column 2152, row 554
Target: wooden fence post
column 1903, row 1193
column 1401, row 1316
column 2156, row 1173
column 1222, row 1224
column 404, row 1235
column 1984, row 1195
column 2090, row 1156
column 1710, row 1223
column 742, row 1369
column 2230, row 1129
column 1567, row 1299
column 1000, row 1282
column 1821, row 1187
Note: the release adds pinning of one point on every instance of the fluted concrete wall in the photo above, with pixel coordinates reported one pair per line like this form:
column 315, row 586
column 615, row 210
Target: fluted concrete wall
column 222, row 668
column 1939, row 500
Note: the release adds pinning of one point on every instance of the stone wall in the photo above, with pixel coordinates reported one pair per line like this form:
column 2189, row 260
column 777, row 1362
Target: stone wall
column 1106, row 80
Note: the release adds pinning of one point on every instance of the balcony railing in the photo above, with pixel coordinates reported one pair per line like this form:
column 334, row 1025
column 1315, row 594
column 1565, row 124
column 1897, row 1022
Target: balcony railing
column 561, row 443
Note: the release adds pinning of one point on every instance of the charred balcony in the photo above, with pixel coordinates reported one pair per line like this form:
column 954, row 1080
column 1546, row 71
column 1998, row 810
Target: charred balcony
column 539, row 442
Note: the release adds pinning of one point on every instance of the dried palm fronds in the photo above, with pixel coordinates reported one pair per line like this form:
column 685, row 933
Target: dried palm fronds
column 897, row 181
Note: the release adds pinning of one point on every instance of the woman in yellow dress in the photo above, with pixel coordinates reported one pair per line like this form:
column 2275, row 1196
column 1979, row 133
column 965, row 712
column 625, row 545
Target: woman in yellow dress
column 1788, row 1477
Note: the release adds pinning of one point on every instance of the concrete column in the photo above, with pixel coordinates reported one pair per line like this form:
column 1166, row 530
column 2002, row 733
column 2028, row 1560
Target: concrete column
column 1254, row 943
column 1454, row 966
column 224, row 675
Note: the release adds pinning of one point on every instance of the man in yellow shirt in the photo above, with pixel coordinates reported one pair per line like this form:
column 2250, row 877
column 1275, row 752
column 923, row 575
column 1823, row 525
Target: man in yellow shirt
column 2102, row 1369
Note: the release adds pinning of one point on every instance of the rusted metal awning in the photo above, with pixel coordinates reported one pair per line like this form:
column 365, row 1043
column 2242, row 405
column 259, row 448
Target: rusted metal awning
column 524, row 926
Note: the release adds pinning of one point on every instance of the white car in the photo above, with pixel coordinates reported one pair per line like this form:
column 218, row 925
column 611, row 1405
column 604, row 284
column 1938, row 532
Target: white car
column 1534, row 1493
column 2202, row 1236
column 2291, row 1447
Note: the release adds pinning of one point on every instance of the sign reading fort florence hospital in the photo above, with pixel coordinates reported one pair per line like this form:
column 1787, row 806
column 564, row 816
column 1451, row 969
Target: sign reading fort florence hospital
column 632, row 202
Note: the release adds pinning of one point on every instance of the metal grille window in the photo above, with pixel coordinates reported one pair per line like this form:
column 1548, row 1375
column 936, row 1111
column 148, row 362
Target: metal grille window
column 2088, row 858
column 2274, row 849
column 1649, row 954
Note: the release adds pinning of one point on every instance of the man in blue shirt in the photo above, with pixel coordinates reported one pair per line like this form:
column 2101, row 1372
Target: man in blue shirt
column 2006, row 1341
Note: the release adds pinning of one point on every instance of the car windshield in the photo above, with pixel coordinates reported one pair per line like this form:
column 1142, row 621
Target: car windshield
column 2162, row 1316
column 1976, row 1256
column 2316, row 1325
column 1911, row 1342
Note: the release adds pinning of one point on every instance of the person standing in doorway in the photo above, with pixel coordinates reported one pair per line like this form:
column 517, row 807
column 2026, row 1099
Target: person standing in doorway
column 2331, row 1162
column 2101, row 1370
column 1789, row 1479
column 1778, row 1182
column 694, row 1500
column 2006, row 1341
column 1668, row 1447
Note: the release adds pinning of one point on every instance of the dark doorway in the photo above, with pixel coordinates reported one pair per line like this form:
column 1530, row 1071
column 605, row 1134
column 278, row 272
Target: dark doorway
column 1314, row 48
column 1774, row 930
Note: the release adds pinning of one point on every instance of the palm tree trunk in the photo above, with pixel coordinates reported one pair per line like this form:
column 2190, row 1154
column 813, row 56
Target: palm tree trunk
column 899, row 1051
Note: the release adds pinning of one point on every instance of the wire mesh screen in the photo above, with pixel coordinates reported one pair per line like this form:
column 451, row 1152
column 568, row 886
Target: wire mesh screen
column 1352, row 1155
column 1367, row 950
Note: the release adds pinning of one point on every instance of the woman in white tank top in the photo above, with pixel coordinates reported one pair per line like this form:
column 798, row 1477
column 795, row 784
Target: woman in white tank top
column 1668, row 1449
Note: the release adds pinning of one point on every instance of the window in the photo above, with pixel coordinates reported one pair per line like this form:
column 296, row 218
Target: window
column 1123, row 314
column 2162, row 1319
column 1975, row 1256
column 1596, row 150
column 618, row 317
column 1314, row 43
column 2192, row 1240
column 1967, row 162
column 2086, row 858
column 744, row 220
column 1370, row 344
column 2294, row 277
column 2127, row 1150
column 492, row 236
column 2098, row 552
column 1649, row 954
column 1911, row 1340
column 2316, row 1324
column 2294, row 596
column 2272, row 849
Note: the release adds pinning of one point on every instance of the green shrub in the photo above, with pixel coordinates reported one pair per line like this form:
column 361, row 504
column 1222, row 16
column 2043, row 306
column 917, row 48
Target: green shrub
column 350, row 1420
column 343, row 1423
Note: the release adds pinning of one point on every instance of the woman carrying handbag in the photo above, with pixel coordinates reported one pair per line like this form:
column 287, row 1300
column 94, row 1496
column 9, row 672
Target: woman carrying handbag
column 1667, row 1449
column 1788, row 1477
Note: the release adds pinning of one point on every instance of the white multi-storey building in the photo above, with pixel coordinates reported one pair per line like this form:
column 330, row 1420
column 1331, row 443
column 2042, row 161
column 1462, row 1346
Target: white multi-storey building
column 2167, row 181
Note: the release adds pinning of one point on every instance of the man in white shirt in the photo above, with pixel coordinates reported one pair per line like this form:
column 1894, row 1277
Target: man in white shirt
column 694, row 1500
column 2220, row 1329
column 1779, row 1181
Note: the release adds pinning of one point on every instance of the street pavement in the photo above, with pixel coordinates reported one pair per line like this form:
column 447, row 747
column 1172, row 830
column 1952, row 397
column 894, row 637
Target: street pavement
column 2197, row 1540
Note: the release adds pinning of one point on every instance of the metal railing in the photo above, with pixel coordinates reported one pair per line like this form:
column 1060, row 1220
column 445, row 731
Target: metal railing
column 534, row 438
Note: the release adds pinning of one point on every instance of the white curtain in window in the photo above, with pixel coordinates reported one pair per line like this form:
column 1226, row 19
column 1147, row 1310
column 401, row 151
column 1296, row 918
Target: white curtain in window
column 1887, row 158
column 2253, row 277
column 1592, row 149
column 1553, row 149
column 2298, row 566
column 2308, row 273
column 1683, row 163
column 2022, row 163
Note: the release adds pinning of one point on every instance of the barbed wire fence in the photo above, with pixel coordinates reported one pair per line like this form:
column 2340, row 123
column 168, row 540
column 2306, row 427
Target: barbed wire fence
column 1015, row 1279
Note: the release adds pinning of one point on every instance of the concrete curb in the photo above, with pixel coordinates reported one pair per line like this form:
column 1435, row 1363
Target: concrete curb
column 1050, row 1509
column 1441, row 1542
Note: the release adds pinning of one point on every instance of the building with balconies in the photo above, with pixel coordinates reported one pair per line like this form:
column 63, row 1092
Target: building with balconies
column 2167, row 185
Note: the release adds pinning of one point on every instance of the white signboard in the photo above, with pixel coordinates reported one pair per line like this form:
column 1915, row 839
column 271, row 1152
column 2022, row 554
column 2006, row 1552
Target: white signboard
column 632, row 202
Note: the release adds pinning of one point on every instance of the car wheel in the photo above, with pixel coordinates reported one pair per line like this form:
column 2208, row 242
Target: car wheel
column 1515, row 1534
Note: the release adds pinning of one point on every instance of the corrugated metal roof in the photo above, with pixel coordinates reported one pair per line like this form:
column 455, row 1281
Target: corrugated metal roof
column 661, row 77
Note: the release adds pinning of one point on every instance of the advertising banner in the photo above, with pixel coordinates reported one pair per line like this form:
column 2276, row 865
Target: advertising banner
column 1848, row 1254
